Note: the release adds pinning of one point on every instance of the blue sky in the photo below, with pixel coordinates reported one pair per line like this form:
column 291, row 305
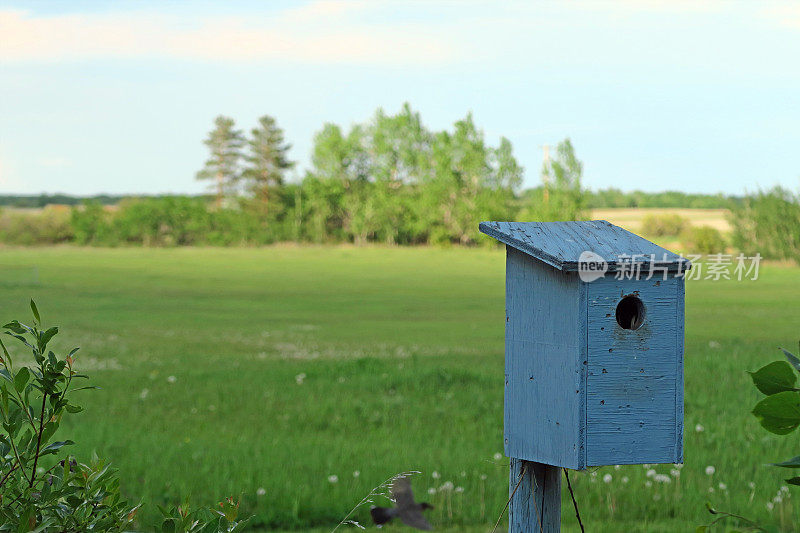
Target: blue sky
column 116, row 97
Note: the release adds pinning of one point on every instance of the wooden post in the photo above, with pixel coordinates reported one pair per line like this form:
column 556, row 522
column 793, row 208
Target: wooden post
column 536, row 501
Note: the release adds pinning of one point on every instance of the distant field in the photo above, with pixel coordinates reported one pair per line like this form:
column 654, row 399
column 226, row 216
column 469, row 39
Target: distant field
column 226, row 371
column 631, row 218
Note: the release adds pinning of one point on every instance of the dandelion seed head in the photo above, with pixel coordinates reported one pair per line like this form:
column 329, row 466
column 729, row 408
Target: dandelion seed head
column 675, row 473
column 625, row 479
column 144, row 393
column 699, row 428
column 498, row 456
column 261, row 491
column 710, row 470
column 651, row 473
column 607, row 478
column 435, row 475
column 333, row 478
column 722, row 486
column 172, row 379
column 356, row 473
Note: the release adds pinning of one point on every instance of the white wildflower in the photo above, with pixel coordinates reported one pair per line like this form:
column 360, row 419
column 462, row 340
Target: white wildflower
column 333, row 478
column 777, row 499
column 723, row 486
column 710, row 470
column 651, row 473
column 617, row 467
column 435, row 475
column 751, row 485
column 144, row 393
column 447, row 486
column 625, row 479
column 675, row 473
column 648, row 483
column 710, row 489
column 770, row 505
column 662, row 478
column 356, row 473
column 483, row 477
column 498, row 456
column 172, row 379
column 699, row 428
column 299, row 378
column 261, row 491
column 431, row 491
column 607, row 478
column 459, row 490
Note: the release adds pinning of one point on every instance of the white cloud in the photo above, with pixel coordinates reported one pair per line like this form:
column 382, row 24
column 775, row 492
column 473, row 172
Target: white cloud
column 320, row 32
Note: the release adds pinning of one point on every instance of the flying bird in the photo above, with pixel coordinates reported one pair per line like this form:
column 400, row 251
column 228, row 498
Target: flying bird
column 406, row 509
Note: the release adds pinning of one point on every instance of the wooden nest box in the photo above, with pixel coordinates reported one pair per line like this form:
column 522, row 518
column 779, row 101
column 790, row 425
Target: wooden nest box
column 594, row 345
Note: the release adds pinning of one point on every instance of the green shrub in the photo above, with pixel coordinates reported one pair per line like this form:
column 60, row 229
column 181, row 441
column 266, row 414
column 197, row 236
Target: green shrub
column 703, row 240
column 768, row 223
column 50, row 225
column 664, row 225
column 40, row 493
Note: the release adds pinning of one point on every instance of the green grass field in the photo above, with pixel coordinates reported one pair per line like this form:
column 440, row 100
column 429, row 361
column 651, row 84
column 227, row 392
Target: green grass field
column 226, row 371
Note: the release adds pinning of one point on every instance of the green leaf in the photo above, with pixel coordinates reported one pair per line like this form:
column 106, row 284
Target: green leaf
column 779, row 413
column 46, row 336
column 21, row 379
column 16, row 327
column 35, row 312
column 794, row 462
column 794, row 480
column 701, row 529
column 776, row 377
column 53, row 447
column 73, row 408
column 792, row 359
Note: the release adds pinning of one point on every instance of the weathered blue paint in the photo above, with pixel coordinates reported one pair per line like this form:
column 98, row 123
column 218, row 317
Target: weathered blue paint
column 544, row 381
column 633, row 386
column 580, row 389
column 535, row 505
column 559, row 244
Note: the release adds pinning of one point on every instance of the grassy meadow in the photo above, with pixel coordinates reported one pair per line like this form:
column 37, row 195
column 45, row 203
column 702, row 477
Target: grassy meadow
column 301, row 377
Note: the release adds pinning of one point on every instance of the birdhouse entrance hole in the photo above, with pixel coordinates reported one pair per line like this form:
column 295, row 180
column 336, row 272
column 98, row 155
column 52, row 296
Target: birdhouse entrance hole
column 630, row 313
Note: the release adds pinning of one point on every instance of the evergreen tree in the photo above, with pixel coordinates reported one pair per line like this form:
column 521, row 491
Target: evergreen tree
column 224, row 164
column 267, row 161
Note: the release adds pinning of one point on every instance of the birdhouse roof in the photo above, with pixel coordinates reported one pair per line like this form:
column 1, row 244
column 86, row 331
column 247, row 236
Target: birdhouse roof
column 560, row 244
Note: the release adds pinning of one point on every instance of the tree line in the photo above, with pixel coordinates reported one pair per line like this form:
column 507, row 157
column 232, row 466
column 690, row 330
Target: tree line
column 389, row 179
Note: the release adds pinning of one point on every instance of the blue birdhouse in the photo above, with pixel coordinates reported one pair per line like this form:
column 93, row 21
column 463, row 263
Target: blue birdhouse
column 594, row 345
